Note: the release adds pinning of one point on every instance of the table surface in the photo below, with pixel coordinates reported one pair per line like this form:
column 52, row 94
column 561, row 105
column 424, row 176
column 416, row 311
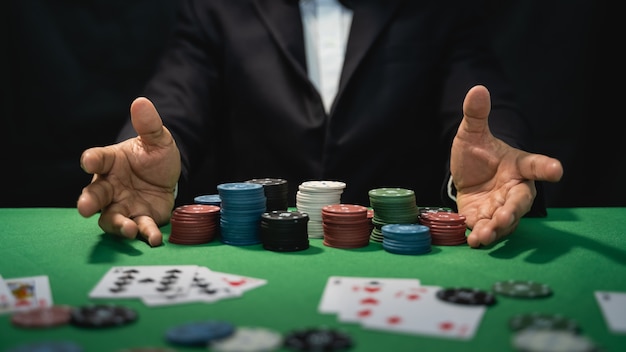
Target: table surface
column 576, row 251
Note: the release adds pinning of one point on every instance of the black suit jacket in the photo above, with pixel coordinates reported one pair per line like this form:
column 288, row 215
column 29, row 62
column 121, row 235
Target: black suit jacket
column 234, row 88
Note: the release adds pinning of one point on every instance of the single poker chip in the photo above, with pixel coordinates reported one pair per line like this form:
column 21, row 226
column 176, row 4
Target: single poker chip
column 543, row 321
column 44, row 317
column 466, row 296
column 522, row 289
column 208, row 199
column 248, row 339
column 551, row 341
column 198, row 333
column 102, row 316
column 318, row 339
column 47, row 346
column 322, row 185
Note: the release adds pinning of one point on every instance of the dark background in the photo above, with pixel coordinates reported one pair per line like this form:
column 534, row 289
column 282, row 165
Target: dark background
column 71, row 68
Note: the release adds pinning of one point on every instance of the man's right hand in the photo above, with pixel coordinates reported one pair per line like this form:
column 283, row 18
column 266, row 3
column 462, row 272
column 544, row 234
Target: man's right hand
column 133, row 181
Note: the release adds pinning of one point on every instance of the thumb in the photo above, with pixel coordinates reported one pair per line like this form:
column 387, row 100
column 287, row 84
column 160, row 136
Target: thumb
column 476, row 109
column 147, row 122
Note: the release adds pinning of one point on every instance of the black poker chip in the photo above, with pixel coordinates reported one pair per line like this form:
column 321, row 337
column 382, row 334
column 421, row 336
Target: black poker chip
column 276, row 192
column 318, row 339
column 102, row 316
column 284, row 231
column 466, row 296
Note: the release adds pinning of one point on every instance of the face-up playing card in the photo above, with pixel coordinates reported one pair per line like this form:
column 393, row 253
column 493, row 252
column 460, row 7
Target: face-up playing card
column 362, row 299
column 29, row 292
column 419, row 311
column 7, row 301
column 238, row 283
column 206, row 286
column 613, row 306
column 338, row 289
column 146, row 280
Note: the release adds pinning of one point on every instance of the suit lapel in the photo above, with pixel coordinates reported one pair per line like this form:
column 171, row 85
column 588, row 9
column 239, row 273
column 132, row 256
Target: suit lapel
column 369, row 18
column 283, row 19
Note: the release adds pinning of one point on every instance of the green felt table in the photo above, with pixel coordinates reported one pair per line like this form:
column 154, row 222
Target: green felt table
column 576, row 251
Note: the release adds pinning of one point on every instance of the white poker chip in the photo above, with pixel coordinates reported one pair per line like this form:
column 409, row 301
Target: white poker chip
column 321, row 186
column 248, row 339
column 541, row 340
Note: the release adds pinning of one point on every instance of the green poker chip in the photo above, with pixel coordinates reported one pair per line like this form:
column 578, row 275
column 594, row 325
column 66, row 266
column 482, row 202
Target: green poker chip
column 386, row 192
column 393, row 206
column 522, row 289
column 543, row 321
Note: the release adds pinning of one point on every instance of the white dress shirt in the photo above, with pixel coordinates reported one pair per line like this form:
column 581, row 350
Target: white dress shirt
column 326, row 27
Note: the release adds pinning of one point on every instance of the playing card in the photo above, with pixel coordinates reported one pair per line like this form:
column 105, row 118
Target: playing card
column 238, row 283
column 417, row 310
column 144, row 280
column 29, row 292
column 338, row 288
column 7, row 301
column 206, row 286
column 361, row 300
column 613, row 306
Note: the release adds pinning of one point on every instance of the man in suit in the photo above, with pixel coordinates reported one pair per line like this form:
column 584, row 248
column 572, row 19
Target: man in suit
column 375, row 93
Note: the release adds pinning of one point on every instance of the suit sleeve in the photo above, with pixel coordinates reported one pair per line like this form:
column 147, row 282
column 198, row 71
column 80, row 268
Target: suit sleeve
column 471, row 62
column 184, row 88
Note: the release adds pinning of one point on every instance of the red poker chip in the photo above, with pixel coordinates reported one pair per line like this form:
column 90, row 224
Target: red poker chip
column 345, row 208
column 443, row 216
column 197, row 209
column 345, row 246
column 194, row 224
column 43, row 317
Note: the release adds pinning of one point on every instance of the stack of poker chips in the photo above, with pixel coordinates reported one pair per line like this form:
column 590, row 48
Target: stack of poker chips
column 447, row 228
column 406, row 239
column 276, row 192
column 392, row 206
column 312, row 196
column 284, row 231
column 240, row 217
column 194, row 224
column 346, row 226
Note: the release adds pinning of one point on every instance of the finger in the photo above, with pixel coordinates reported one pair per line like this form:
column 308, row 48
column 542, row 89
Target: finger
column 504, row 220
column 476, row 109
column 94, row 197
column 481, row 234
column 98, row 160
column 488, row 231
column 540, row 167
column 99, row 193
column 148, row 123
column 113, row 222
column 149, row 230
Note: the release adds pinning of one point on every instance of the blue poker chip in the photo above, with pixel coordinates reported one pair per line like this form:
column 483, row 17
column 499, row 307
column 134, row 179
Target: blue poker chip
column 405, row 229
column 237, row 187
column 198, row 333
column 240, row 214
column 406, row 249
column 208, row 199
column 406, row 238
column 48, row 346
